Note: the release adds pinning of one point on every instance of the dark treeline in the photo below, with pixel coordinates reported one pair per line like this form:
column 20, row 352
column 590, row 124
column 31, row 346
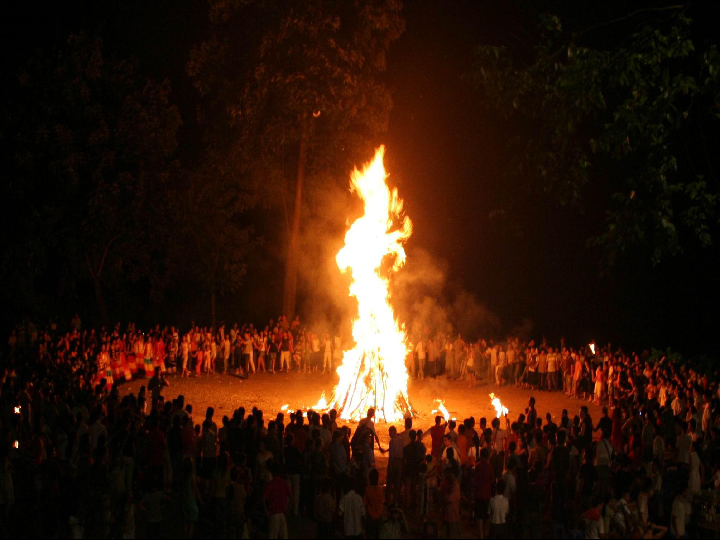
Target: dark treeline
column 141, row 183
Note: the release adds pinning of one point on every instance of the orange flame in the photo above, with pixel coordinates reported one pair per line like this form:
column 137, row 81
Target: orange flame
column 321, row 405
column 373, row 373
column 442, row 410
column 500, row 409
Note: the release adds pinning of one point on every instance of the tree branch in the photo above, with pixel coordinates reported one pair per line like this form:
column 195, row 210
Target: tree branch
column 630, row 15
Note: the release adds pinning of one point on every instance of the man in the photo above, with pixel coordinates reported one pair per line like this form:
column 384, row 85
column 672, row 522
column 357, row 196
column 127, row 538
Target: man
column 327, row 354
column 156, row 385
column 352, row 509
column 368, row 424
column 395, row 466
column 484, row 479
column 498, row 510
column 285, row 350
column 412, row 460
column 277, row 497
column 437, row 433
column 248, row 352
column 552, row 367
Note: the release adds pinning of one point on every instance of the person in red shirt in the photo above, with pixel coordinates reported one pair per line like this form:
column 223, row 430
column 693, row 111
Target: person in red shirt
column 375, row 503
column 484, row 479
column 157, row 447
column 277, row 497
column 437, row 432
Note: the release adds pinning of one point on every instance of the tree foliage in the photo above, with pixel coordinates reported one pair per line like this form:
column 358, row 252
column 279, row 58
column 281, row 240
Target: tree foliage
column 634, row 118
column 90, row 151
column 298, row 91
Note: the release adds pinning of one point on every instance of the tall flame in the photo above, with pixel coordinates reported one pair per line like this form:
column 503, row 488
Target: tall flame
column 373, row 374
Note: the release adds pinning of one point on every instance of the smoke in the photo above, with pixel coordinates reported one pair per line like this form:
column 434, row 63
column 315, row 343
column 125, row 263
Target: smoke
column 428, row 303
column 323, row 291
column 421, row 294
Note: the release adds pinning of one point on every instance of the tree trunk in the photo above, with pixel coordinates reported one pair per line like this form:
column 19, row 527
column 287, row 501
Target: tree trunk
column 291, row 265
column 100, row 301
column 212, row 308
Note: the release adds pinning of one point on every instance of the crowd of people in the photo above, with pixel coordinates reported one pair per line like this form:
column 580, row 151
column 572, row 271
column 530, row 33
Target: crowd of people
column 79, row 460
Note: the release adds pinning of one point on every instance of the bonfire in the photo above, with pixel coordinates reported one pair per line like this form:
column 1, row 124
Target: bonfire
column 373, row 374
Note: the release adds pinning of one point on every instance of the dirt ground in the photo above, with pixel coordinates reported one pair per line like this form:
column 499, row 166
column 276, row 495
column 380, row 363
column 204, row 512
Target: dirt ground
column 270, row 392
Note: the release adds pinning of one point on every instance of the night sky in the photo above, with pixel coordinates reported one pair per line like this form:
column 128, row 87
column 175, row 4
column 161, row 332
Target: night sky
column 445, row 152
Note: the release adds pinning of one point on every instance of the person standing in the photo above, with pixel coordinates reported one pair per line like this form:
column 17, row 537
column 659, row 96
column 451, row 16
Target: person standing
column 449, row 358
column 327, row 354
column 352, row 509
column 277, row 498
column 552, row 368
column 285, row 350
column 498, row 510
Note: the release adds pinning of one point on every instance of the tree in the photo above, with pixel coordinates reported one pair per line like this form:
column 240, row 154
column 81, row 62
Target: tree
column 300, row 80
column 212, row 239
column 91, row 154
column 631, row 117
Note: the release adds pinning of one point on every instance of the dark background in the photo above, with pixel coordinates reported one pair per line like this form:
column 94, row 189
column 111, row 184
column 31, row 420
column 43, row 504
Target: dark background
column 519, row 253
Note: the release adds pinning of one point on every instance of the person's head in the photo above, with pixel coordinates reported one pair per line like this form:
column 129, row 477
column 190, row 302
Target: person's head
column 374, row 477
column 438, row 420
column 496, row 423
column 413, row 436
column 371, row 413
column 531, row 403
column 408, row 423
column 500, row 487
column 484, row 454
column 392, row 431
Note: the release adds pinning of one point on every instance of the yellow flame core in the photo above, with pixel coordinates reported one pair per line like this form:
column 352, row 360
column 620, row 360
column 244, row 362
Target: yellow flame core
column 500, row 409
column 373, row 373
column 442, row 410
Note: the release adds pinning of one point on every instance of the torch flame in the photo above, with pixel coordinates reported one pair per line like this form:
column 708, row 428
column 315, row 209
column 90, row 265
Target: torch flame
column 592, row 348
column 285, row 407
column 442, row 410
column 373, row 373
column 500, row 409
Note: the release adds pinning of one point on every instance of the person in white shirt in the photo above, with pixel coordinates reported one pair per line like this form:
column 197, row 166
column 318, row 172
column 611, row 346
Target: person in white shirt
column 352, row 508
column 498, row 510
column 680, row 513
column 327, row 354
column 683, row 445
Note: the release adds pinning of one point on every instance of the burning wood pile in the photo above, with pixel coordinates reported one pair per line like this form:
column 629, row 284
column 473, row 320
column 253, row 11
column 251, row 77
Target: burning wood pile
column 373, row 374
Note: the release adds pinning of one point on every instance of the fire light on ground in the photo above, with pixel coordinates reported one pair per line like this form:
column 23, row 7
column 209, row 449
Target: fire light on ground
column 373, row 373
column 500, row 409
